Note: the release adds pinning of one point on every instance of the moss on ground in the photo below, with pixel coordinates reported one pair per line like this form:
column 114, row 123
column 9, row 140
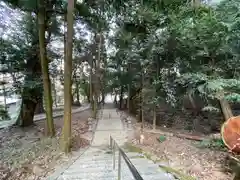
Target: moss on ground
column 177, row 173
column 131, row 148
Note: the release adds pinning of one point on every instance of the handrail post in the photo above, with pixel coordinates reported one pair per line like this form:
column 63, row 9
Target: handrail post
column 119, row 165
column 114, row 154
column 111, row 146
column 114, row 146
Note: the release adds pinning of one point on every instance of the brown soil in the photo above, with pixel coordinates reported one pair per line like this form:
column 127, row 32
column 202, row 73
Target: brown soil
column 25, row 153
column 183, row 155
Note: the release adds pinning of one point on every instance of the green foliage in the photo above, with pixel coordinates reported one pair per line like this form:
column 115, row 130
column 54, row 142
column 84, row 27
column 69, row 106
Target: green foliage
column 212, row 144
column 161, row 138
column 177, row 47
column 84, row 87
column 209, row 86
column 233, row 97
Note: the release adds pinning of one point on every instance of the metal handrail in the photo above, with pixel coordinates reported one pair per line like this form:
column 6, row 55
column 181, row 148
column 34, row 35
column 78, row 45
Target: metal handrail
column 114, row 146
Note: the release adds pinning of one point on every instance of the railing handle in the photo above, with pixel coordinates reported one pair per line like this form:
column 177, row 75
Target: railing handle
column 111, row 146
column 119, row 165
column 121, row 155
column 114, row 154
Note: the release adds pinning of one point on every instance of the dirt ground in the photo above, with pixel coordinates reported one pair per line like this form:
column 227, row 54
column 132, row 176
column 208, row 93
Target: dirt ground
column 25, row 153
column 182, row 155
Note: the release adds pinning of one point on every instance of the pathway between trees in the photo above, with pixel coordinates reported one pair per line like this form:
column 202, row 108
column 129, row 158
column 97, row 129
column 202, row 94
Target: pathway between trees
column 42, row 116
column 96, row 163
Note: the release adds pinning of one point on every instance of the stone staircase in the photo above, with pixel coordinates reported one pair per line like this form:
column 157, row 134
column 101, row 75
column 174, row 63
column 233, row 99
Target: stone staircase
column 147, row 168
column 96, row 163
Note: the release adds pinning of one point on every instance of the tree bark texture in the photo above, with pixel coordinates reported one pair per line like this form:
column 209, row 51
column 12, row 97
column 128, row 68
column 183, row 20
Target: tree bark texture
column 66, row 133
column 225, row 109
column 44, row 66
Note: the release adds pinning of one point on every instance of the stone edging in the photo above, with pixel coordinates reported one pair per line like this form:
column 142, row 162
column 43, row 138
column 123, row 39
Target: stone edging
column 12, row 122
column 76, row 155
column 62, row 113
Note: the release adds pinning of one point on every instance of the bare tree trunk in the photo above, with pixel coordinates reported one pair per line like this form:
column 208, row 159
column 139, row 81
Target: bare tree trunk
column 44, row 66
column 142, row 104
column 154, row 118
column 4, row 97
column 72, row 98
column 91, row 87
column 87, row 92
column 95, row 105
column 94, row 97
column 77, row 93
column 30, row 97
column 129, row 90
column 121, row 98
column 66, row 132
column 39, row 108
column 27, row 113
column 98, row 38
column 54, row 91
column 115, row 98
column 226, row 109
column 103, row 96
column 155, row 105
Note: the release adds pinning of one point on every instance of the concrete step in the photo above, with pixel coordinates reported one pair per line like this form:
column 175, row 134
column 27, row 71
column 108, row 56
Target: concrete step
column 91, row 167
column 150, row 177
column 97, row 162
column 87, row 177
column 146, row 168
column 101, row 157
column 147, row 175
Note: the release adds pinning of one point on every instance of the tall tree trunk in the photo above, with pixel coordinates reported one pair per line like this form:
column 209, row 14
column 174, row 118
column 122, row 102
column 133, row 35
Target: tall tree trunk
column 129, row 89
column 66, row 132
column 142, row 103
column 91, row 85
column 30, row 94
column 121, row 98
column 95, row 96
column 192, row 101
column 39, row 107
column 156, row 92
column 27, row 113
column 4, row 97
column 225, row 109
column 72, row 98
column 54, row 91
column 155, row 105
column 98, row 38
column 44, row 66
column 30, row 98
column 103, row 96
column 77, row 93
column 87, row 92
column 115, row 98
column 140, row 107
column 95, row 105
column 154, row 118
